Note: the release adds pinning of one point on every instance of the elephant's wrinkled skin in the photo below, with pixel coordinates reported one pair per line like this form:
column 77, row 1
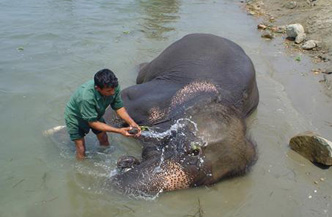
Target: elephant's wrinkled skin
column 204, row 78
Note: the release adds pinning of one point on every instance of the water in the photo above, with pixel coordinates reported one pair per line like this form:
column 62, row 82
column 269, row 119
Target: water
column 50, row 47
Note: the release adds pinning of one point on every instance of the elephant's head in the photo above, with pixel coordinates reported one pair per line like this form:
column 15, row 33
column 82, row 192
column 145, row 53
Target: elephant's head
column 208, row 145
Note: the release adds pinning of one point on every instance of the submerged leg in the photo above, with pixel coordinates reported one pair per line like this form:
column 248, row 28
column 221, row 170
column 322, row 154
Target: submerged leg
column 103, row 139
column 80, row 148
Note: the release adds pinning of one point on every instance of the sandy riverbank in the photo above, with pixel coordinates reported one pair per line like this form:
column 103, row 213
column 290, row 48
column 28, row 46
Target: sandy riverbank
column 313, row 15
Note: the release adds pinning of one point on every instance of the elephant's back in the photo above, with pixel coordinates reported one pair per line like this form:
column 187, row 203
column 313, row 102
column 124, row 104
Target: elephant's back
column 200, row 56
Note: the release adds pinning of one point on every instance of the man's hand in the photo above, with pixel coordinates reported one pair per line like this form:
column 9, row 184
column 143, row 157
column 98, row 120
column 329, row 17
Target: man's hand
column 134, row 125
column 124, row 131
column 125, row 116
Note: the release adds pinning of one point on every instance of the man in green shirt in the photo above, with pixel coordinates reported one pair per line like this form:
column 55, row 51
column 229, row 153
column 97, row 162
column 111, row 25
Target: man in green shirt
column 86, row 108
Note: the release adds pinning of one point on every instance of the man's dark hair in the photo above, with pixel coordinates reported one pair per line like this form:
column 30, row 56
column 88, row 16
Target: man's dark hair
column 105, row 78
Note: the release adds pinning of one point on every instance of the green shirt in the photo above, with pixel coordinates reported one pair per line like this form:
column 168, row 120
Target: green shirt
column 87, row 104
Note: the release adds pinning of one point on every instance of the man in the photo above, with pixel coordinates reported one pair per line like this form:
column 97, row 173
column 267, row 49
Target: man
column 86, row 108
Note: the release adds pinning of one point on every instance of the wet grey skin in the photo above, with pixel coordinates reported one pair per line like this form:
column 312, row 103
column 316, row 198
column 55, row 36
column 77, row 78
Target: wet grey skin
column 208, row 82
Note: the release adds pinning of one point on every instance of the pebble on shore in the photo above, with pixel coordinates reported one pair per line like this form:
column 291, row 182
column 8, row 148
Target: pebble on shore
column 308, row 45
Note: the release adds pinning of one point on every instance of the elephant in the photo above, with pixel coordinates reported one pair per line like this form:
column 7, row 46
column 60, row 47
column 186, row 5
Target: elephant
column 194, row 97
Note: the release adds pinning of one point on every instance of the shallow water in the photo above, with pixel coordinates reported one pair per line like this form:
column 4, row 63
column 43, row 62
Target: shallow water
column 48, row 48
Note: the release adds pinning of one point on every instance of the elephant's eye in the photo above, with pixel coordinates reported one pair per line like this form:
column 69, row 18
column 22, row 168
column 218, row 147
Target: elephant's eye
column 195, row 152
column 195, row 149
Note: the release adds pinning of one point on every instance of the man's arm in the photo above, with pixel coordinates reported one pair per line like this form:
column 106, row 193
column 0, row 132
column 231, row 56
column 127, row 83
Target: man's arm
column 107, row 128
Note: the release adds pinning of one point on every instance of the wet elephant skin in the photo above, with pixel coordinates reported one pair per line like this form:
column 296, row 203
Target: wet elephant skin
column 206, row 85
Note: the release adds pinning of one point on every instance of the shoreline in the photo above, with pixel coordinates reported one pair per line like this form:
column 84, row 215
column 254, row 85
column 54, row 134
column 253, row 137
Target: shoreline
column 310, row 87
column 313, row 15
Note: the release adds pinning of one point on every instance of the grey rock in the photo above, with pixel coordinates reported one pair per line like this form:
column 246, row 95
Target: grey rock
column 308, row 45
column 290, row 5
column 267, row 34
column 300, row 38
column 293, row 30
column 328, row 71
column 313, row 147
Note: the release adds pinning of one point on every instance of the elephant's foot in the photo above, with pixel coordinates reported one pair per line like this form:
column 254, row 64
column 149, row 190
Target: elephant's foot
column 126, row 163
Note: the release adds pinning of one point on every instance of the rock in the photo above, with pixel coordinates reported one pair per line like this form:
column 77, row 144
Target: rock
column 313, row 147
column 300, row 38
column 271, row 19
column 252, row 13
column 261, row 26
column 290, row 5
column 133, row 131
column 328, row 71
column 293, row 30
column 308, row 45
column 267, row 34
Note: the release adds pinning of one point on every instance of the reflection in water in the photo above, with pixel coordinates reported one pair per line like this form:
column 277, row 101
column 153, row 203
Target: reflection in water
column 159, row 14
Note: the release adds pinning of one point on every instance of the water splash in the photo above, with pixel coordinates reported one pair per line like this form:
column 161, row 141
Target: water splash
column 179, row 124
column 158, row 168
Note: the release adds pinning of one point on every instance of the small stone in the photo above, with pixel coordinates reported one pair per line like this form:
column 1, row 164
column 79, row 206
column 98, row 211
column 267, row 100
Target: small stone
column 290, row 5
column 293, row 30
column 328, row 71
column 308, row 45
column 313, row 147
column 316, row 182
column 261, row 26
column 300, row 38
column 257, row 7
column 316, row 71
column 267, row 34
column 322, row 179
column 133, row 131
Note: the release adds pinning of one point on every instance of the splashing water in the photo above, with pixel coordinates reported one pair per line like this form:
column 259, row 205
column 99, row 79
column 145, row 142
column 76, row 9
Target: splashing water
column 180, row 123
column 158, row 169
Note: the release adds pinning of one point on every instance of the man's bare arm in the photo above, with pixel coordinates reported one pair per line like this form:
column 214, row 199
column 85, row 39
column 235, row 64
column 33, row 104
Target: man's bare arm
column 107, row 128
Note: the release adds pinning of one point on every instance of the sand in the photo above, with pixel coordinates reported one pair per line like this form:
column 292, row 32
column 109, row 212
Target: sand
column 314, row 15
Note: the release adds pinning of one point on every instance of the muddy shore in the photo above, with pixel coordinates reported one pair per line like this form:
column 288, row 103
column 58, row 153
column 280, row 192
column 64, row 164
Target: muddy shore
column 313, row 15
column 310, row 89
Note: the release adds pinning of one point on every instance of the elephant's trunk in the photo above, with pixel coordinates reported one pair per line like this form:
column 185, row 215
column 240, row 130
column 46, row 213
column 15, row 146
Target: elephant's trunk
column 153, row 176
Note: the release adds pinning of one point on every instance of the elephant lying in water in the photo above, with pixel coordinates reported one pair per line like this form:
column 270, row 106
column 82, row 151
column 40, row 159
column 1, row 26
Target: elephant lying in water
column 195, row 94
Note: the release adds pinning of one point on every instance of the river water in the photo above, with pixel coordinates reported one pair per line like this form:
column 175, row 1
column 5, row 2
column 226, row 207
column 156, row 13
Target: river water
column 48, row 48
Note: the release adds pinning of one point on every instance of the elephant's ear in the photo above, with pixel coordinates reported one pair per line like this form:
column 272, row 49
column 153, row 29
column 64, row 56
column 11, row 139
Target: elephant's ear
column 141, row 73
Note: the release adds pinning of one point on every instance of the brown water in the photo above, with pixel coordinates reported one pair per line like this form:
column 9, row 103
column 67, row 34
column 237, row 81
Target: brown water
column 48, row 48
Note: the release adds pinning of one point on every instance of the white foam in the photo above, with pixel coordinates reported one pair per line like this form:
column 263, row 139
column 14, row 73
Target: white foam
column 53, row 130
